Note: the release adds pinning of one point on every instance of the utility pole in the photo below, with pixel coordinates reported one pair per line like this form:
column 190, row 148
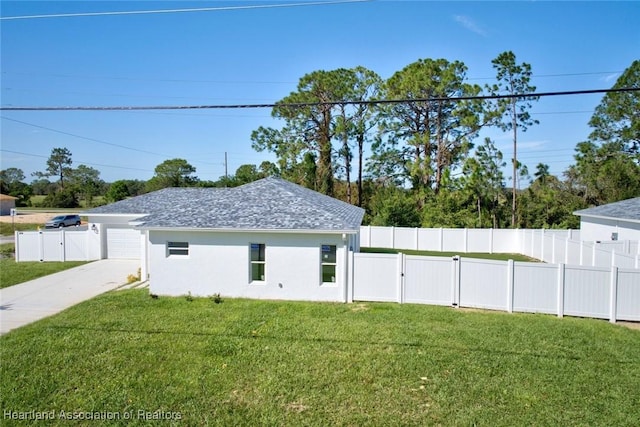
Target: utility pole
column 226, row 175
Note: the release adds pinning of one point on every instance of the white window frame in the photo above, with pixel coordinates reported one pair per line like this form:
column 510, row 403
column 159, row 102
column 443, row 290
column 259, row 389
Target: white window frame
column 324, row 263
column 177, row 249
column 262, row 249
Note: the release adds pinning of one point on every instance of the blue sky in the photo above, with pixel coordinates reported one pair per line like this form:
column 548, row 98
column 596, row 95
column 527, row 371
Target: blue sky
column 257, row 55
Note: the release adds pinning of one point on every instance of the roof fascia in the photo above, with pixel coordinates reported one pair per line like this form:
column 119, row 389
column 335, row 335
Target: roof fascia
column 610, row 218
column 249, row 230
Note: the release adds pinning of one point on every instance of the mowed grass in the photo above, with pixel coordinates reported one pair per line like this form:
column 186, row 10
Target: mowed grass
column 249, row 362
column 12, row 272
column 7, row 229
column 480, row 255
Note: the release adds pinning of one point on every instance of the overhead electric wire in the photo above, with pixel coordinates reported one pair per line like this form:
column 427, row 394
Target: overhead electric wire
column 199, row 9
column 80, row 162
column 96, row 140
column 311, row 104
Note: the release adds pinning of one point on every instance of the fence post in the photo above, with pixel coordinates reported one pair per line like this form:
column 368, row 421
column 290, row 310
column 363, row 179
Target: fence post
column 455, row 280
column 40, row 246
column 16, row 239
column 561, row 276
column 553, row 249
column 63, row 237
column 400, row 277
column 466, row 240
column 566, row 251
column 593, row 254
column 417, row 238
column 542, row 244
column 491, row 240
column 510, row 284
column 393, row 237
column 441, row 237
column 613, row 295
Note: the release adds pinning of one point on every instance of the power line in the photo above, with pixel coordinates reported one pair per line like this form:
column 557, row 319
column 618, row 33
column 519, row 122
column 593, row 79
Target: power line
column 200, row 9
column 312, row 104
column 94, row 140
column 80, row 161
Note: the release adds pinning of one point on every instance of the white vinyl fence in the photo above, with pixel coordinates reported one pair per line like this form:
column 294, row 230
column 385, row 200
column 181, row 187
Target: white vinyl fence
column 606, row 293
column 55, row 245
column 553, row 246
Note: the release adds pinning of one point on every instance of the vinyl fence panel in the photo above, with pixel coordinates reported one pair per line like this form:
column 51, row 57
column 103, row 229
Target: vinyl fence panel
column 535, row 288
column 628, row 295
column 587, row 291
column 28, row 246
column 454, row 240
column 483, row 284
column 405, row 238
column 428, row 280
column 430, row 239
column 55, row 245
column 52, row 246
column 479, row 240
column 75, row 245
column 376, row 277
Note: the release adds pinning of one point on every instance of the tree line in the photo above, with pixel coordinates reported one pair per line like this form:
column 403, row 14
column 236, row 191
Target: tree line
column 412, row 163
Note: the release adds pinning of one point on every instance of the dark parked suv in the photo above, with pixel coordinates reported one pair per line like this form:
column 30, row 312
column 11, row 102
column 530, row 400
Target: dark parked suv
column 63, row 221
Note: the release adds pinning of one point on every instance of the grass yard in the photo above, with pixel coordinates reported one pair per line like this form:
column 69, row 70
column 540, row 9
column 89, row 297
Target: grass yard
column 7, row 229
column 12, row 272
column 250, row 362
column 499, row 257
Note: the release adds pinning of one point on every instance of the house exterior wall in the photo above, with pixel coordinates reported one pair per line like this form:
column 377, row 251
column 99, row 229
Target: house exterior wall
column 601, row 229
column 6, row 204
column 219, row 262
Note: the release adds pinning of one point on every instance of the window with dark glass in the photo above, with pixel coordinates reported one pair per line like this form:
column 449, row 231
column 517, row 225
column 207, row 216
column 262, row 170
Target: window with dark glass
column 328, row 263
column 177, row 248
column 257, row 261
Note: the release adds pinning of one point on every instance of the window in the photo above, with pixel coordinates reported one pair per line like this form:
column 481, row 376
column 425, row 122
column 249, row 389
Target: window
column 328, row 263
column 257, row 261
column 177, row 248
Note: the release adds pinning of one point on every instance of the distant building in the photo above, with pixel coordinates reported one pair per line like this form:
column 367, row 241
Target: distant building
column 614, row 221
column 6, row 204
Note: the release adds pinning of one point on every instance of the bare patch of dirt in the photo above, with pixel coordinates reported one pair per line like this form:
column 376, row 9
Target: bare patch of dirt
column 359, row 307
column 29, row 217
column 630, row 325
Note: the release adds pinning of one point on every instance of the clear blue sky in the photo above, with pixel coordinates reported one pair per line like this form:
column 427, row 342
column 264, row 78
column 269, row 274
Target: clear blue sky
column 258, row 55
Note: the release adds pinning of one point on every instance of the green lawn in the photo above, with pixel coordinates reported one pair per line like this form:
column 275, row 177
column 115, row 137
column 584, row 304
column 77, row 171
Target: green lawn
column 7, row 229
column 245, row 362
column 499, row 257
column 12, row 272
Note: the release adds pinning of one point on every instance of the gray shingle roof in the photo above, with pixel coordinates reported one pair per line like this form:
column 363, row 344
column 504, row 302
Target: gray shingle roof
column 626, row 209
column 267, row 204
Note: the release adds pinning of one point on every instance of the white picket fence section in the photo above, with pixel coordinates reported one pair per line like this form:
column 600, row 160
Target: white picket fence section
column 605, row 293
column 552, row 246
column 58, row 245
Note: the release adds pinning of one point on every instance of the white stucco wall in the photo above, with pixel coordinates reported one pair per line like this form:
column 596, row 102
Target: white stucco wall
column 592, row 229
column 218, row 262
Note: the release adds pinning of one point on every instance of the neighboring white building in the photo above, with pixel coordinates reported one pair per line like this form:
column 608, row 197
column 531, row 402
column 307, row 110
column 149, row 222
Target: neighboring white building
column 614, row 221
column 6, row 204
column 267, row 239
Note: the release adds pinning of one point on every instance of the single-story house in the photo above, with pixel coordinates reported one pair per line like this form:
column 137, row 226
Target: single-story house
column 613, row 221
column 6, row 204
column 266, row 239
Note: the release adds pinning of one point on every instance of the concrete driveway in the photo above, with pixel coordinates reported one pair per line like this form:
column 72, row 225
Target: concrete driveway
column 33, row 300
